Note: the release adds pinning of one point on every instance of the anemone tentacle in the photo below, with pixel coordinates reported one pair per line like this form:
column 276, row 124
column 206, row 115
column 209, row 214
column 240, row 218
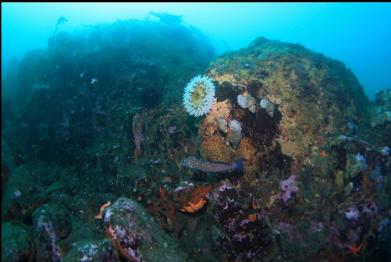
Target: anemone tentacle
column 199, row 96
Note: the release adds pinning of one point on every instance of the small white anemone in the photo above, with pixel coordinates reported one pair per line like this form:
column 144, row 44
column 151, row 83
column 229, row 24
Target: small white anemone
column 235, row 126
column 242, row 101
column 199, row 96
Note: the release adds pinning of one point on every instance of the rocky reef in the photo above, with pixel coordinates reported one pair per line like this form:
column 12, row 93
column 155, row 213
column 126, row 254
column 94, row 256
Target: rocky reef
column 95, row 134
column 302, row 98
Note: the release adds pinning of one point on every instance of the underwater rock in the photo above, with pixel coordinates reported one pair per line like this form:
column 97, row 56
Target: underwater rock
column 29, row 186
column 382, row 118
column 137, row 134
column 371, row 210
column 137, row 236
column 355, row 165
column 51, row 224
column 15, row 242
column 5, row 174
column 220, row 110
column 18, row 200
column 85, row 103
column 361, row 162
column 383, row 100
column 385, row 151
column 244, row 234
column 215, row 146
column 315, row 94
column 10, row 159
column 93, row 250
column 384, row 229
column 377, row 177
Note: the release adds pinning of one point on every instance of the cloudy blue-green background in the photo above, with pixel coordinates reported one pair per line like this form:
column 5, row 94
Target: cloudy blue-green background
column 358, row 34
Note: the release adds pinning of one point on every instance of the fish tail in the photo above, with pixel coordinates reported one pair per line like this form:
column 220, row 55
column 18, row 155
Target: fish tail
column 238, row 166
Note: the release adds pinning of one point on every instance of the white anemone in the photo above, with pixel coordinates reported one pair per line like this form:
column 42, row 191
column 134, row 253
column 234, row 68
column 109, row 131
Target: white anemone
column 199, row 96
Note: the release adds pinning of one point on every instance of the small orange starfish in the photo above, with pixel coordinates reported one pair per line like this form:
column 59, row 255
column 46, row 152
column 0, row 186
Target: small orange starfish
column 101, row 209
column 193, row 207
column 354, row 250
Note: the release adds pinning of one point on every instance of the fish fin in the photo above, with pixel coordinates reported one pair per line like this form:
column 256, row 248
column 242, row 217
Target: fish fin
column 238, row 166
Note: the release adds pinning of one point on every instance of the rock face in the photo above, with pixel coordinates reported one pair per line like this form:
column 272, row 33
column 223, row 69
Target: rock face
column 85, row 88
column 244, row 235
column 18, row 200
column 382, row 119
column 16, row 242
column 95, row 251
column 315, row 96
column 137, row 236
column 51, row 224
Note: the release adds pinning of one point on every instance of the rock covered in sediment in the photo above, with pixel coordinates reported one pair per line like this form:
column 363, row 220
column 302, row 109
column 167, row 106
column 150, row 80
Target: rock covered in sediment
column 243, row 234
column 93, row 104
column 313, row 94
column 29, row 186
column 382, row 117
column 137, row 236
column 18, row 200
column 51, row 224
column 93, row 250
column 16, row 242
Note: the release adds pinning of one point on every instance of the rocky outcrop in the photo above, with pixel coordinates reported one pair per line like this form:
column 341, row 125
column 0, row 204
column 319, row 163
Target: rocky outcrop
column 314, row 98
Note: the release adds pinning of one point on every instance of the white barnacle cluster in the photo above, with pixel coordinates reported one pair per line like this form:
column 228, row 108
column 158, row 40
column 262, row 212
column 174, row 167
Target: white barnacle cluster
column 199, row 96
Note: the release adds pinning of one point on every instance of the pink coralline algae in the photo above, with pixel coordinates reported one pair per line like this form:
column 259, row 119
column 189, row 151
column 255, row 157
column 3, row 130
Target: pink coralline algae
column 138, row 134
column 288, row 188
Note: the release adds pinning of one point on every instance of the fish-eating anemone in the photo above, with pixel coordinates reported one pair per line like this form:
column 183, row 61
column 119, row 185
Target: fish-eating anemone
column 199, row 96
